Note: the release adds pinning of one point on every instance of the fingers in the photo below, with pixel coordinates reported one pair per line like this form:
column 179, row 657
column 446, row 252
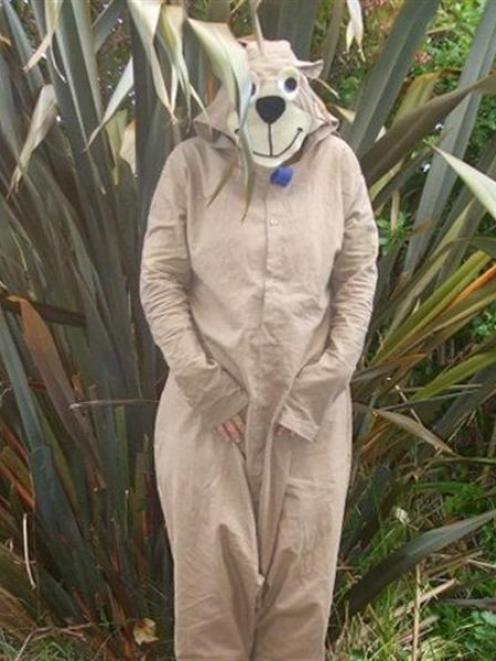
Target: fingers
column 233, row 429
column 223, row 433
column 240, row 423
column 281, row 429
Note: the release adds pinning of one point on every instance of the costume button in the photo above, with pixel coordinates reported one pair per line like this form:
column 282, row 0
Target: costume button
column 274, row 221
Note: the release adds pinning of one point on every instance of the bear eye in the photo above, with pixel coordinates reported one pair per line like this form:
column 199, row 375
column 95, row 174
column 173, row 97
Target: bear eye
column 290, row 84
column 253, row 89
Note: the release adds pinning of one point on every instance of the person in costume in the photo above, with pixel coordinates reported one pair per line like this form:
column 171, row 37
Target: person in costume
column 262, row 320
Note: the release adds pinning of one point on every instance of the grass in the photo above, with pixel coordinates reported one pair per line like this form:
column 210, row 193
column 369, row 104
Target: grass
column 47, row 648
column 414, row 612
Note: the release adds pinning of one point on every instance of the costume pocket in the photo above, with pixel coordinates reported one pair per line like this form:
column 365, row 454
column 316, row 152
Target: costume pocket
column 314, row 526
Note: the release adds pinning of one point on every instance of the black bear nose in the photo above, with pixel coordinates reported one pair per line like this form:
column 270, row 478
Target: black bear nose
column 270, row 108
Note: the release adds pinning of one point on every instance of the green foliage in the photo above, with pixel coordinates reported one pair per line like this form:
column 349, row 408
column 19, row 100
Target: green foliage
column 445, row 48
column 391, row 236
column 474, row 633
column 47, row 647
column 448, row 41
column 484, row 326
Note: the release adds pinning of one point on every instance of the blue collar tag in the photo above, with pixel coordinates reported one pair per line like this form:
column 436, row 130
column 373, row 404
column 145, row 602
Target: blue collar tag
column 282, row 175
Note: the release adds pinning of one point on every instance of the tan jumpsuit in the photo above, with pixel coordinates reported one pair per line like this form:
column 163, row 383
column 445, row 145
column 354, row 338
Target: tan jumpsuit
column 267, row 316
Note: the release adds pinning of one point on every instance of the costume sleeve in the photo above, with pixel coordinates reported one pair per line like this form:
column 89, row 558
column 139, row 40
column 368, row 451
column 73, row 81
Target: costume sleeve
column 353, row 283
column 165, row 275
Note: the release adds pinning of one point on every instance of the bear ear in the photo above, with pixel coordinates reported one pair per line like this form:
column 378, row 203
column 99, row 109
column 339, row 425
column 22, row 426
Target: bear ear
column 311, row 69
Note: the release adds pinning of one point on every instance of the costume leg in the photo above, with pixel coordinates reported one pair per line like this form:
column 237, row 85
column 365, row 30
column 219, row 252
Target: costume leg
column 295, row 605
column 211, row 526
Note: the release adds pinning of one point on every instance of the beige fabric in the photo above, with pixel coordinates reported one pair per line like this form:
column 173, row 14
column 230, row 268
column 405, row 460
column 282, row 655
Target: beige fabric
column 267, row 316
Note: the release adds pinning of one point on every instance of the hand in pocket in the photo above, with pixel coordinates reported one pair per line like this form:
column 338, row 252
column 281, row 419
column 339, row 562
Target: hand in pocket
column 232, row 430
column 281, row 429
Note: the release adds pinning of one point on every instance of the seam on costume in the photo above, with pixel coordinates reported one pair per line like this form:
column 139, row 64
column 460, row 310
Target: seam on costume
column 264, row 291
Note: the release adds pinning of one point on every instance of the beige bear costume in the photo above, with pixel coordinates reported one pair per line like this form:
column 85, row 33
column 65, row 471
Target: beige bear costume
column 268, row 316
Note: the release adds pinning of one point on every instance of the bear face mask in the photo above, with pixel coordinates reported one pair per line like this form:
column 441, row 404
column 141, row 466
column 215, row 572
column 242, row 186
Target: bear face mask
column 282, row 108
column 284, row 113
